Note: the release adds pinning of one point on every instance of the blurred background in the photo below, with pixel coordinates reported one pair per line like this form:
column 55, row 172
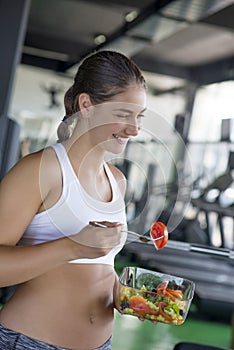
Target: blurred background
column 179, row 169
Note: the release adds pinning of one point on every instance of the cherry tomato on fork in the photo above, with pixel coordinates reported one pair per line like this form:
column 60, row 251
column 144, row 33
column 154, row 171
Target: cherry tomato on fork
column 159, row 234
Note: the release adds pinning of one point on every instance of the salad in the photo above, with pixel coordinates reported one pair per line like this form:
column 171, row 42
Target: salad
column 155, row 301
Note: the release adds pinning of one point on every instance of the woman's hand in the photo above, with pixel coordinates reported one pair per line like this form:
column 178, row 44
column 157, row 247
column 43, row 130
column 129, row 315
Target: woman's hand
column 93, row 241
column 116, row 294
column 142, row 320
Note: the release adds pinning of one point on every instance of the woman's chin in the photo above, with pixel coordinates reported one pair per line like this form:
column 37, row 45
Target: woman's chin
column 116, row 146
column 116, row 150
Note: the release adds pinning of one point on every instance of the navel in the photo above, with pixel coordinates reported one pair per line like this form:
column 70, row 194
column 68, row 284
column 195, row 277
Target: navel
column 91, row 319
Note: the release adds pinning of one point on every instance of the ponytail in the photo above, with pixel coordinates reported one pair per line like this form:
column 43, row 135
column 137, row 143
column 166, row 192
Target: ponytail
column 68, row 102
column 64, row 129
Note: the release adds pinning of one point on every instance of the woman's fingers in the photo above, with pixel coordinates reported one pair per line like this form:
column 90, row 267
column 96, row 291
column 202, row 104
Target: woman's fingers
column 95, row 240
column 105, row 224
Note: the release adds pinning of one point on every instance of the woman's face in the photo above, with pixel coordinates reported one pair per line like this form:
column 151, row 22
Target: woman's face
column 114, row 122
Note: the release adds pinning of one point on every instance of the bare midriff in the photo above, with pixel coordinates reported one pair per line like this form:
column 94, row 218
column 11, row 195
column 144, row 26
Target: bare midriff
column 71, row 306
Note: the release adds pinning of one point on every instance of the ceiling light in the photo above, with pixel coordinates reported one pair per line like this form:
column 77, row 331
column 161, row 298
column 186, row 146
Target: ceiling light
column 130, row 16
column 100, row 39
column 45, row 53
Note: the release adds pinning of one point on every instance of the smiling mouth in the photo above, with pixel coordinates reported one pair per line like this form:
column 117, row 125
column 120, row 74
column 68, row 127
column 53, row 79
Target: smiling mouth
column 120, row 138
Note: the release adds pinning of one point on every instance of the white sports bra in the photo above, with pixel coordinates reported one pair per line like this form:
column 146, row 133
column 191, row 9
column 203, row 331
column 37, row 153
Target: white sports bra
column 74, row 209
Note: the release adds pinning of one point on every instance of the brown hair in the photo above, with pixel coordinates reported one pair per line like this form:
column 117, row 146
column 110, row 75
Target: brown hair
column 101, row 75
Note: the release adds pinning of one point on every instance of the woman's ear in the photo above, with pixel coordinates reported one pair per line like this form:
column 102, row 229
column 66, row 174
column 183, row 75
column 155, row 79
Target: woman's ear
column 84, row 104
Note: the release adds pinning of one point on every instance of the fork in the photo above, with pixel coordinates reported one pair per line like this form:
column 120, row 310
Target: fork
column 142, row 238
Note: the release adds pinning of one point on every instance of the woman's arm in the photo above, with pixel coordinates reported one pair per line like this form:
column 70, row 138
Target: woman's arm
column 20, row 264
column 22, row 193
column 20, row 198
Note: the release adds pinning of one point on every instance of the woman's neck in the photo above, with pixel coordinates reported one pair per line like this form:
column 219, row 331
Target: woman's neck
column 87, row 163
column 83, row 154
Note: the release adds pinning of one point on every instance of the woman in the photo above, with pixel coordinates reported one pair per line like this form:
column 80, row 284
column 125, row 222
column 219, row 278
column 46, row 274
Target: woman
column 63, row 265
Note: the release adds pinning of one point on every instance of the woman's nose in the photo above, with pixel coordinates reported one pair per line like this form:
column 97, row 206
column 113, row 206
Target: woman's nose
column 133, row 128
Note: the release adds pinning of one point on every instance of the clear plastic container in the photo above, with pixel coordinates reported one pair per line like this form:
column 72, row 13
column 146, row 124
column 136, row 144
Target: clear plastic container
column 154, row 296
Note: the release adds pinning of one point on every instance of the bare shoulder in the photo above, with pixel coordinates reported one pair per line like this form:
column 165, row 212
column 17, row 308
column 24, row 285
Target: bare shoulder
column 33, row 177
column 49, row 166
column 119, row 177
column 20, row 198
column 32, row 167
column 24, row 170
column 22, row 192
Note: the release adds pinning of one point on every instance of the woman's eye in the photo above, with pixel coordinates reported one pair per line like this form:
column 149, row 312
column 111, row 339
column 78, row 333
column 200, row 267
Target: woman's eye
column 125, row 116
column 122, row 116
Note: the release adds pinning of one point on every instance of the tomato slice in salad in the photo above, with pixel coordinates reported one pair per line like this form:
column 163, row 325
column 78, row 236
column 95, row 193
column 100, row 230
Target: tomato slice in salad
column 159, row 234
column 139, row 305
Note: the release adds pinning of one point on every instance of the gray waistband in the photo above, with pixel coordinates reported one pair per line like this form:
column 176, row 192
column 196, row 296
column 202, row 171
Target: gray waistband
column 11, row 340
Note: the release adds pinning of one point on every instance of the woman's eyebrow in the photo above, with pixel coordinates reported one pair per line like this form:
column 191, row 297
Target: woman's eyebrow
column 143, row 110
column 122, row 110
